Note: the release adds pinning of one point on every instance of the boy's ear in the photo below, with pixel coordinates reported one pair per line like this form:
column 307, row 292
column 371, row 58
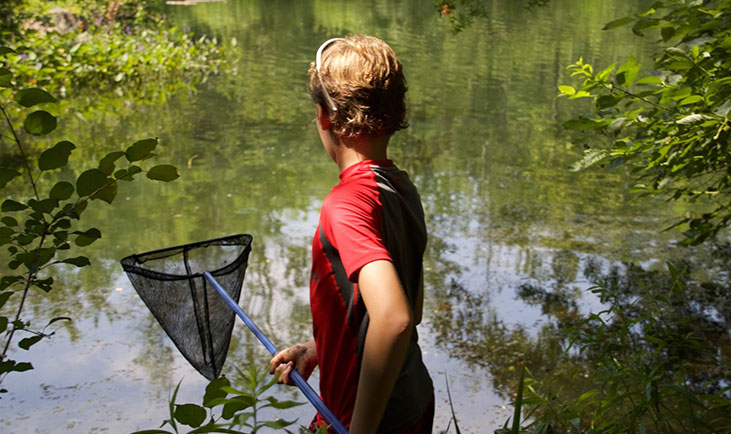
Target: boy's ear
column 323, row 118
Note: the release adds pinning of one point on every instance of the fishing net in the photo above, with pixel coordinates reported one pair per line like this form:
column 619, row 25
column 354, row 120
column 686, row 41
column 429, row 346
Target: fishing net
column 196, row 318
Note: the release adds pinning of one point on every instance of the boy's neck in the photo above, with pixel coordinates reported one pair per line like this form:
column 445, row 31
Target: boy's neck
column 353, row 150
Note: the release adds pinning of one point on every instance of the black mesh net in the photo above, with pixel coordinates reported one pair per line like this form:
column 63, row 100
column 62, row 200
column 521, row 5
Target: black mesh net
column 197, row 319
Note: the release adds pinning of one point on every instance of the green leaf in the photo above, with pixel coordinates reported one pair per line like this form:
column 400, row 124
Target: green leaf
column 279, row 423
column 604, row 75
column 90, row 181
column 691, row 100
column 586, row 395
column 108, row 193
column 127, row 174
column 40, row 123
column 213, row 390
column 5, row 50
column 171, row 407
column 282, row 405
column 152, row 431
column 57, row 156
column 163, row 172
column 33, row 96
column 5, row 77
column 643, row 24
column 646, row 13
column 627, row 73
column 650, row 79
column 62, row 190
column 9, row 221
column 140, row 150
column 518, row 402
column 583, row 123
column 667, row 32
column 190, row 414
column 37, row 258
column 5, row 282
column 609, row 100
column 235, row 405
column 581, row 94
column 681, row 93
column 22, row 367
column 3, row 321
column 87, row 237
column 58, row 318
column 106, row 164
column 122, row 175
column 10, row 205
column 618, row 23
column 44, row 206
column 685, row 393
column 6, row 234
column 25, row 239
column 567, row 90
column 6, row 175
column 26, row 343
column 79, row 261
column 211, row 427
column 74, row 211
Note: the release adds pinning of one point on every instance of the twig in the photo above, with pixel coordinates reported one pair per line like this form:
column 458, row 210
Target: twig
column 22, row 152
column 451, row 406
column 22, row 302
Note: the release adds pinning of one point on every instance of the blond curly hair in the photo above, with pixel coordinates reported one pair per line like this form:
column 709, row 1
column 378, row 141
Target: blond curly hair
column 365, row 82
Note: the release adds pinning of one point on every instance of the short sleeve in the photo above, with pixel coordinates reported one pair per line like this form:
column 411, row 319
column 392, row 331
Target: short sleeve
column 352, row 221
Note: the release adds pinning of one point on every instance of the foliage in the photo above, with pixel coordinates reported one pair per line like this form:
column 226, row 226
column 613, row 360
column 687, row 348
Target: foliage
column 109, row 60
column 7, row 9
column 641, row 365
column 670, row 127
column 516, row 427
column 40, row 232
column 462, row 13
column 127, row 12
column 103, row 52
column 230, row 409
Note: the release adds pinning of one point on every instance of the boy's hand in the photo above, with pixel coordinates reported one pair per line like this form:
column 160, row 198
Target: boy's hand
column 303, row 357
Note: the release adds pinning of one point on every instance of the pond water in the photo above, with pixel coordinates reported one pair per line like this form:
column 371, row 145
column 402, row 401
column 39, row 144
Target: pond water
column 485, row 148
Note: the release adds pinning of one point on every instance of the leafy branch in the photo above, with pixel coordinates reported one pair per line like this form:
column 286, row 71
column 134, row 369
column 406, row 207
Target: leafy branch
column 671, row 126
column 39, row 230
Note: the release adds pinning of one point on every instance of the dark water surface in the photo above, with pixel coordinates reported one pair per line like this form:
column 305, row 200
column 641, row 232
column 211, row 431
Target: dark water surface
column 485, row 147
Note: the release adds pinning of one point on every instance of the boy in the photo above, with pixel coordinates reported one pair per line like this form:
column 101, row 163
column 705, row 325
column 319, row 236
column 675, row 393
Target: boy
column 366, row 289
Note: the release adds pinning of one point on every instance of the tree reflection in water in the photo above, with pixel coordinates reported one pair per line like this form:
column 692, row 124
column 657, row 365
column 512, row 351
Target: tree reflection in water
column 678, row 315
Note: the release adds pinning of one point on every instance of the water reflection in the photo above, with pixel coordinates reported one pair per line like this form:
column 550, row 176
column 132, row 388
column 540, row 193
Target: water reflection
column 512, row 232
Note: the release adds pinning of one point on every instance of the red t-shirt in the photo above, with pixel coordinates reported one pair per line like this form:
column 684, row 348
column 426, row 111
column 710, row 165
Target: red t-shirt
column 374, row 213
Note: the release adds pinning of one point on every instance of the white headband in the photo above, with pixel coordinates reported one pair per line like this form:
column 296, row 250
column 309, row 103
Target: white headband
column 318, row 62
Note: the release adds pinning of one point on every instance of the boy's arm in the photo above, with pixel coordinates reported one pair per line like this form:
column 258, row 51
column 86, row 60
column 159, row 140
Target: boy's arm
column 386, row 343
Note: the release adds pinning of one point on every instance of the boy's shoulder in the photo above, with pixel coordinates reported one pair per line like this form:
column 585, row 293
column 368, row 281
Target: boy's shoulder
column 357, row 192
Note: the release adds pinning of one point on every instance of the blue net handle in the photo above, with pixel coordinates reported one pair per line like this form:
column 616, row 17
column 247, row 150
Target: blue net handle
column 300, row 382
